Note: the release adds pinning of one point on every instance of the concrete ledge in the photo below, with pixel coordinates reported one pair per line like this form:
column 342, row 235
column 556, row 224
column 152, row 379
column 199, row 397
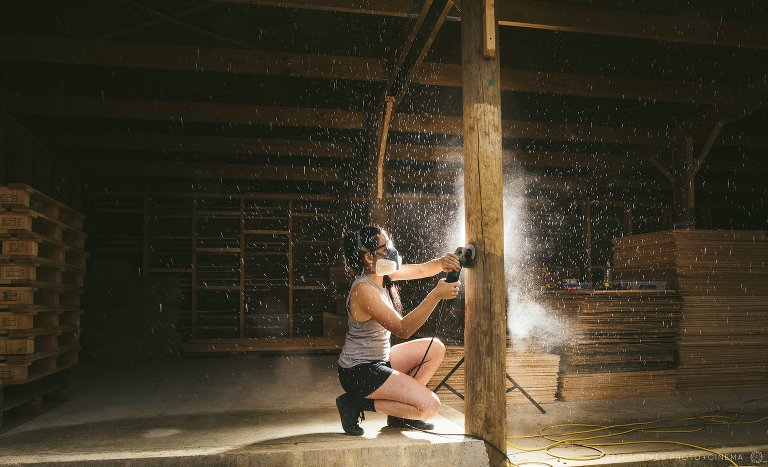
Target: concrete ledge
column 332, row 452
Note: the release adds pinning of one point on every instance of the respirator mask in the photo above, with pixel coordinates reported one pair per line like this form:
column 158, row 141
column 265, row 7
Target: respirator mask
column 387, row 264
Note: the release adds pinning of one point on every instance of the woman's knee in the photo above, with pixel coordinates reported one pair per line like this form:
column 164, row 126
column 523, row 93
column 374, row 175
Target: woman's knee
column 432, row 406
column 438, row 350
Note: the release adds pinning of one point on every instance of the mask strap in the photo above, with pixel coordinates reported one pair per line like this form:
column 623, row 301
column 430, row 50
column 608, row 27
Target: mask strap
column 360, row 243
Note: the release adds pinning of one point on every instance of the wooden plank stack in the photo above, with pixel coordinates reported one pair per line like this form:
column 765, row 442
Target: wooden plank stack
column 723, row 279
column 623, row 343
column 536, row 372
column 42, row 268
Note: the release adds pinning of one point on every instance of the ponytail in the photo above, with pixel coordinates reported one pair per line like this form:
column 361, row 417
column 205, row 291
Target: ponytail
column 353, row 257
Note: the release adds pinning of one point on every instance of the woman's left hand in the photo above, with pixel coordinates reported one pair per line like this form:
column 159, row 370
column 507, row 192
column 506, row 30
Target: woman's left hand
column 450, row 262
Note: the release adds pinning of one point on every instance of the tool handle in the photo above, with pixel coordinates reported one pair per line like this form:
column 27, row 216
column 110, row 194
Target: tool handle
column 453, row 276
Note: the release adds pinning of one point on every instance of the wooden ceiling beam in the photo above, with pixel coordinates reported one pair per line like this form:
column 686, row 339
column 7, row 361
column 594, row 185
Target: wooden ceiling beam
column 536, row 14
column 194, row 144
column 185, row 58
column 453, row 155
column 521, row 129
column 261, row 63
column 145, row 109
column 200, row 144
column 172, row 169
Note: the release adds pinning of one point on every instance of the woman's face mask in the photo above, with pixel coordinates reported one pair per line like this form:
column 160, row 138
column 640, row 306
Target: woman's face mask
column 387, row 263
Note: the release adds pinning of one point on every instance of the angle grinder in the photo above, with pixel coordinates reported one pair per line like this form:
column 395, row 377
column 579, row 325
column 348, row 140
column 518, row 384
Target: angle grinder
column 466, row 255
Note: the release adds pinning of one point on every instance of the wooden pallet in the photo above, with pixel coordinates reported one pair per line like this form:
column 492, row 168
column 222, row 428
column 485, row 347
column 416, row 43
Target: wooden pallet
column 34, row 248
column 536, row 372
column 20, row 403
column 25, row 368
column 18, row 195
column 624, row 330
column 22, row 220
column 616, row 384
column 723, row 279
column 30, row 341
column 28, row 272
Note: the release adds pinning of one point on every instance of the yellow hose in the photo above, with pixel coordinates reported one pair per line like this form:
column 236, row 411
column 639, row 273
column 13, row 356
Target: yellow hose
column 574, row 438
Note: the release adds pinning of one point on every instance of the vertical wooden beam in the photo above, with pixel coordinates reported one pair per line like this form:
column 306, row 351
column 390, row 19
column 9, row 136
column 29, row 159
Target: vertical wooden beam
column 194, row 269
column 489, row 29
column 242, row 267
column 684, row 202
column 5, row 150
column 383, row 132
column 485, row 333
column 627, row 219
column 145, row 234
column 290, row 268
column 587, row 228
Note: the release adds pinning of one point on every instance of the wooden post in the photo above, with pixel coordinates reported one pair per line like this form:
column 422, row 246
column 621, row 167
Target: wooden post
column 587, row 228
column 684, row 202
column 485, row 334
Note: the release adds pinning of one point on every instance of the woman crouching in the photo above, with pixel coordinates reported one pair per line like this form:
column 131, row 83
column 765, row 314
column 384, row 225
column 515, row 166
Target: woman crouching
column 375, row 376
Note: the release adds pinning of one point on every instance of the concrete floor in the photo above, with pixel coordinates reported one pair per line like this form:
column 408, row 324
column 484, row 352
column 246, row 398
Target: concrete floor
column 280, row 411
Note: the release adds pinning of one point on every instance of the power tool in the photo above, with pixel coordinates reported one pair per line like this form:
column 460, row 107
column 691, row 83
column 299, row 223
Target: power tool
column 466, row 255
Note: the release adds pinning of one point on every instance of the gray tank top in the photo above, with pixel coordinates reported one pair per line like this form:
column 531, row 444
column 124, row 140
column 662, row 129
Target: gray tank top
column 366, row 341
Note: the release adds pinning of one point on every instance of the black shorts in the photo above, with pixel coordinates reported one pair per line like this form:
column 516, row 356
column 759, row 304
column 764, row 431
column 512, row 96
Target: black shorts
column 361, row 380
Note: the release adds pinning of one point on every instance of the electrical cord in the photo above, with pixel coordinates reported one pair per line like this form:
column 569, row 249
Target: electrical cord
column 587, row 442
column 708, row 418
column 575, row 438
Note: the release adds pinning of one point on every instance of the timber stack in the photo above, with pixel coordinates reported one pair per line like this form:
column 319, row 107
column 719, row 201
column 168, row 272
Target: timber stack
column 42, row 270
column 722, row 277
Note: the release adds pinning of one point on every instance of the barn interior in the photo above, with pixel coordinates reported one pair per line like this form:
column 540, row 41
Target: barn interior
column 185, row 170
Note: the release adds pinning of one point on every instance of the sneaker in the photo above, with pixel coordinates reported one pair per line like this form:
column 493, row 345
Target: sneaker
column 397, row 422
column 351, row 413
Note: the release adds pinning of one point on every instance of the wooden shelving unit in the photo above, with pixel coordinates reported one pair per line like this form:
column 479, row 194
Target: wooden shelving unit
column 251, row 268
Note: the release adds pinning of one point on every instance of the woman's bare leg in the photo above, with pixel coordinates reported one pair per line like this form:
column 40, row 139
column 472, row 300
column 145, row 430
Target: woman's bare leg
column 405, row 397
column 406, row 357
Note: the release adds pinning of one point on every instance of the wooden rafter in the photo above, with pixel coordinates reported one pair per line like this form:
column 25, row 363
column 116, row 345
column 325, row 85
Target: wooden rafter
column 185, row 58
column 261, row 63
column 382, row 147
column 534, row 130
column 576, row 18
column 173, row 169
column 200, row 144
column 418, row 42
column 144, row 109
column 87, row 142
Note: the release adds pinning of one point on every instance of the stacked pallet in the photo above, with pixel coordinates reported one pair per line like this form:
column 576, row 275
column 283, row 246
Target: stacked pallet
column 623, row 343
column 723, row 278
column 614, row 384
column 533, row 371
column 42, row 268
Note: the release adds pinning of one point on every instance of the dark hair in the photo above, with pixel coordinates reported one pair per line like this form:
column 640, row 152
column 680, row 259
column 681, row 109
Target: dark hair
column 353, row 257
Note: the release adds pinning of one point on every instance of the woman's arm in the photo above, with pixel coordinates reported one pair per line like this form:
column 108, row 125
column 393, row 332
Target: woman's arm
column 366, row 299
column 447, row 263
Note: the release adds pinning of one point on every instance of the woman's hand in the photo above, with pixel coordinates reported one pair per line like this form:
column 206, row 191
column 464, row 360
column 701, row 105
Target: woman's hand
column 450, row 262
column 446, row 290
